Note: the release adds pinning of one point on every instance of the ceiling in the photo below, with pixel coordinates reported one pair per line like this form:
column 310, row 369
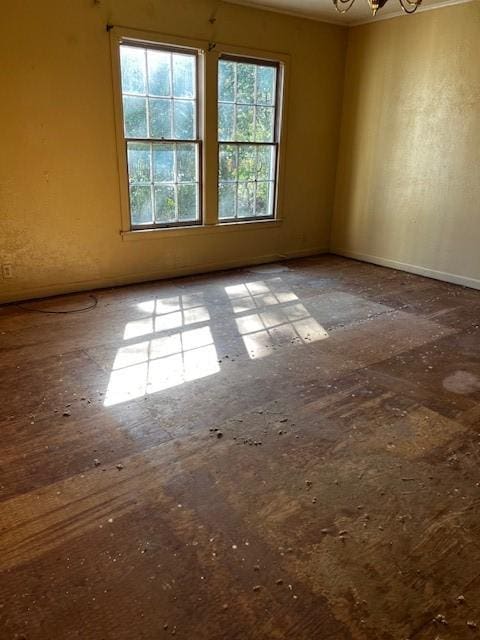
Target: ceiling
column 325, row 11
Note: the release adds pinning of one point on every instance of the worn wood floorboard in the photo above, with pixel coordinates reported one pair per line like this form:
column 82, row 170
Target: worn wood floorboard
column 286, row 452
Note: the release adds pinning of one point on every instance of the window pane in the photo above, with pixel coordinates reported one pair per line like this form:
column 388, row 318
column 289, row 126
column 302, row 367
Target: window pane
column 159, row 76
column 246, row 101
column 248, row 170
column 183, row 76
column 186, row 163
column 247, row 162
column 187, row 202
column 138, row 162
column 266, row 81
column 264, row 201
column 184, row 120
column 226, row 200
column 133, row 70
column 165, row 209
column 135, row 115
column 228, row 162
column 158, row 63
column 264, row 124
column 266, row 163
column 141, row 205
column 163, row 163
column 226, row 124
column 246, row 200
column 245, row 123
column 226, row 81
column 160, row 118
column 245, row 83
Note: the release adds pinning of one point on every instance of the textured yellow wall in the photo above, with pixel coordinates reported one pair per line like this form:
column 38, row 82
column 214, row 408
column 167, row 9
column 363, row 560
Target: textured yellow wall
column 408, row 182
column 59, row 193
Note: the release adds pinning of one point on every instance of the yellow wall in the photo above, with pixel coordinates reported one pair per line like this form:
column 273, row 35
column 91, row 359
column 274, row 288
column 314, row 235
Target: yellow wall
column 408, row 182
column 59, row 192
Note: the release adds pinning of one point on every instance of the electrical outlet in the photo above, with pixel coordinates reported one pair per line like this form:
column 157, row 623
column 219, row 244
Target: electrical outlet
column 7, row 271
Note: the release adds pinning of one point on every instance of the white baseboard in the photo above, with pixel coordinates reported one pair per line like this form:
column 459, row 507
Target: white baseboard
column 465, row 281
column 115, row 281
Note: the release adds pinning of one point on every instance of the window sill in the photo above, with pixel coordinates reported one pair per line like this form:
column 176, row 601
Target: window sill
column 199, row 230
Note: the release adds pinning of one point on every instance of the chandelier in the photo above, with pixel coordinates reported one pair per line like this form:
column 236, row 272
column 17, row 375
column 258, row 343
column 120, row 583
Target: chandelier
column 408, row 6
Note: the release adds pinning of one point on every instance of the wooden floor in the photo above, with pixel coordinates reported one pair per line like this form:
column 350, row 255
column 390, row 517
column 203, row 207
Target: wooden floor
column 285, row 452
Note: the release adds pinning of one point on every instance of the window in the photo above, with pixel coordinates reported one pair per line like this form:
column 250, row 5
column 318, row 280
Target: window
column 160, row 121
column 248, row 138
column 198, row 133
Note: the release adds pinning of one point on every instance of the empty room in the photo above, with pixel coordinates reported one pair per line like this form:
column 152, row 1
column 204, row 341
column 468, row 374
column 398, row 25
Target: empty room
column 240, row 319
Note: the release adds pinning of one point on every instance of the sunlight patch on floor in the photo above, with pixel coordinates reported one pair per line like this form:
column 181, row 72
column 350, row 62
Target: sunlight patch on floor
column 161, row 363
column 281, row 321
column 166, row 314
column 173, row 344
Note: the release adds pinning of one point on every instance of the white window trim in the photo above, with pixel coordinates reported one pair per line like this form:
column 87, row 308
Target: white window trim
column 208, row 69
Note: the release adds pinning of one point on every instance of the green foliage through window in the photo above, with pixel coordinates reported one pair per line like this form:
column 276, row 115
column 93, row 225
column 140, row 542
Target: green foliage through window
column 247, row 112
column 163, row 179
column 159, row 91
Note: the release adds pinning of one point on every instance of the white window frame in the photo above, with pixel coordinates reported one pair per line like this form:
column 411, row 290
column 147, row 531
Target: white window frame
column 208, row 58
